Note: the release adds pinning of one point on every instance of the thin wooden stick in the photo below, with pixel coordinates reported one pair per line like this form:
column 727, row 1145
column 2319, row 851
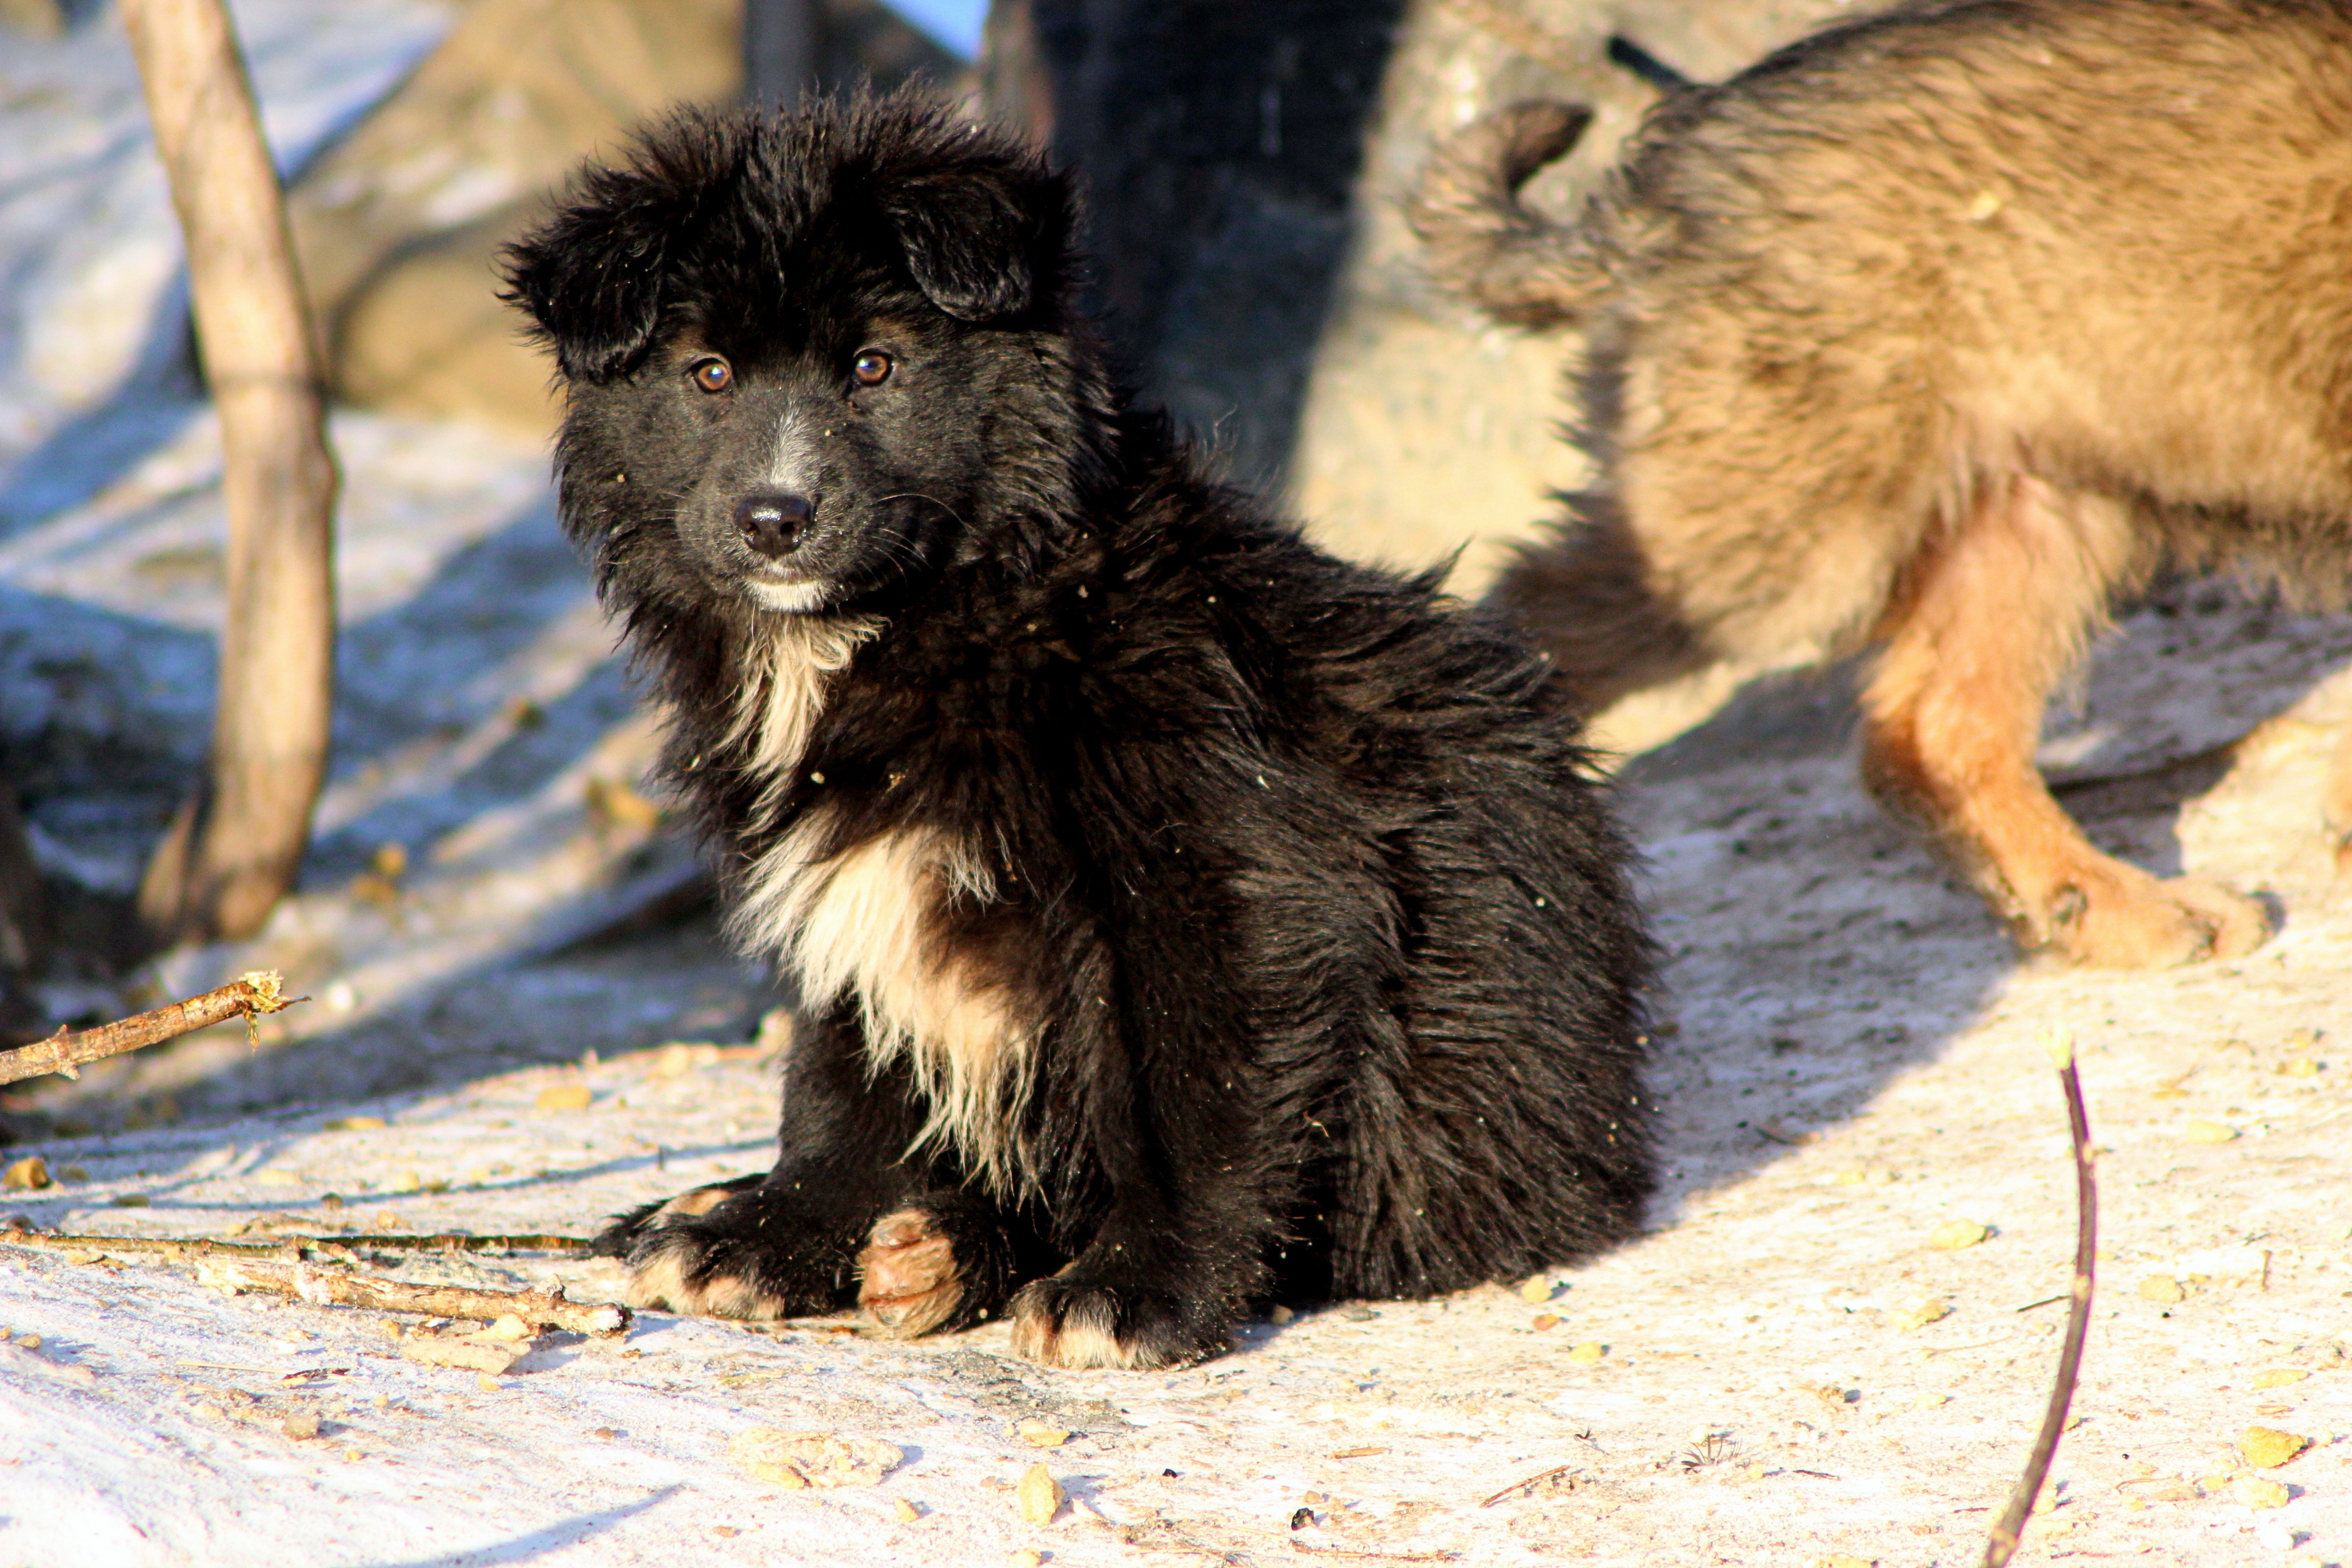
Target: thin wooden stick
column 286, row 1246
column 262, row 990
column 1523, row 1485
column 2078, row 1317
column 336, row 1288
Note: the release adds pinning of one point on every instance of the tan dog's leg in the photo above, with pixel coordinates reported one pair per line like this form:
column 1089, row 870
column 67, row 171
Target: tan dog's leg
column 1987, row 620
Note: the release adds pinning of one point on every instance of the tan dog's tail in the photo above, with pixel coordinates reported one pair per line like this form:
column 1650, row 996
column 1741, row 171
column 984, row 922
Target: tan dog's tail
column 1484, row 244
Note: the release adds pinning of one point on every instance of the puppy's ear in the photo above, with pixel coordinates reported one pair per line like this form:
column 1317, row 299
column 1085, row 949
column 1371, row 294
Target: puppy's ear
column 983, row 242
column 591, row 277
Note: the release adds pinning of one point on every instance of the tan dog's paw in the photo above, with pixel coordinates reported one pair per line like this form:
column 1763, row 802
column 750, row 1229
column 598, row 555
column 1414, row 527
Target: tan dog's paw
column 907, row 1280
column 2121, row 918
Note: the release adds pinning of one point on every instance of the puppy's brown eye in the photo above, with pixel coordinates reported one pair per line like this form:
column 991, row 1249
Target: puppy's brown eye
column 872, row 368
column 712, row 374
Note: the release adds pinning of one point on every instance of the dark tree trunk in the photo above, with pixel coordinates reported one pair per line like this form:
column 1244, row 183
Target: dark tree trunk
column 1246, row 161
column 782, row 45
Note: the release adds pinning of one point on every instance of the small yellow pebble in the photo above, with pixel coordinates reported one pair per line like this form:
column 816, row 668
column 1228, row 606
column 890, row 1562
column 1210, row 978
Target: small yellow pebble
column 1589, row 1354
column 1026, row 1557
column 1919, row 1315
column 1537, row 1288
column 2279, row 1376
column 1281, row 1317
column 2266, row 1447
column 1039, row 1495
column 1040, row 1433
column 2260, row 1491
column 1956, row 1234
column 907, row 1513
column 353, row 1123
column 564, row 1096
column 1544, row 1322
column 2301, row 1067
column 2200, row 1131
column 2162, row 1288
column 26, row 1175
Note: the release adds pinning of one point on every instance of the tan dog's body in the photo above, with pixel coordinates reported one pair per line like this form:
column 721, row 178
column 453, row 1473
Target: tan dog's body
column 1940, row 331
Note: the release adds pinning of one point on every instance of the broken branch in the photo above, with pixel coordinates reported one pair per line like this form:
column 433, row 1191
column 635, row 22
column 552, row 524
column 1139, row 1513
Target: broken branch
column 1540, row 1475
column 335, row 1288
column 2078, row 1316
column 262, row 990
column 289, row 1245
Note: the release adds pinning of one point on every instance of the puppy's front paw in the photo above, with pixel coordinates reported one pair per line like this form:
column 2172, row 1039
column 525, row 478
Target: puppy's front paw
column 1065, row 1321
column 689, row 1270
column 733, row 1250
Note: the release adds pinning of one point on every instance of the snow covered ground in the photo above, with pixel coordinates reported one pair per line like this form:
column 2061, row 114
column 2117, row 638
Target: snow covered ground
column 1784, row 1370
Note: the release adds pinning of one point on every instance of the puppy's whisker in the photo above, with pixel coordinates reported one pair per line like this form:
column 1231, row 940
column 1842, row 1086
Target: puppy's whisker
column 917, row 495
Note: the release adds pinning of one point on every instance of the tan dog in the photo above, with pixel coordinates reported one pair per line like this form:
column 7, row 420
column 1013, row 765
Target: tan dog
column 1941, row 330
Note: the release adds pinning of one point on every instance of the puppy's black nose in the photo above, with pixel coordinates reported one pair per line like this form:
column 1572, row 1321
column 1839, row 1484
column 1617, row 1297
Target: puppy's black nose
column 771, row 523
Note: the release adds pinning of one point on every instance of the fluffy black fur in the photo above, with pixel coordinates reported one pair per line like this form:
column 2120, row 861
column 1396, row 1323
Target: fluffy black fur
column 1258, row 927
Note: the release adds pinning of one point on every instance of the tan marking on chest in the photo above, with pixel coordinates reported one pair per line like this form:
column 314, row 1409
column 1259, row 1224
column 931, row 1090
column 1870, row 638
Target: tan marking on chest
column 865, row 923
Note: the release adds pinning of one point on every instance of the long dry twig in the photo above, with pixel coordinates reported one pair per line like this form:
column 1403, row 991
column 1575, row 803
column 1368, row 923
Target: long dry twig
column 1529, row 1481
column 262, row 990
column 2078, row 1317
column 289, row 1245
column 336, row 1288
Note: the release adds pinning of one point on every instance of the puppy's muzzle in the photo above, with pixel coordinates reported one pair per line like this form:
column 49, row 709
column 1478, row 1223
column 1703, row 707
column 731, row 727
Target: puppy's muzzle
column 773, row 523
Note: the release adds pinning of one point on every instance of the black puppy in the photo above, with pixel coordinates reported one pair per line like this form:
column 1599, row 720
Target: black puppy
column 1180, row 916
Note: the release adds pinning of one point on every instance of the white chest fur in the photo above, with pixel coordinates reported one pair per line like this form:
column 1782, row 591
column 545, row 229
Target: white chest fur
column 869, row 923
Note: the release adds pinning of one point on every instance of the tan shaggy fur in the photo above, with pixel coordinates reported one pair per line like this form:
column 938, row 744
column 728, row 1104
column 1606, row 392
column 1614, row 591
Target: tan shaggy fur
column 1942, row 330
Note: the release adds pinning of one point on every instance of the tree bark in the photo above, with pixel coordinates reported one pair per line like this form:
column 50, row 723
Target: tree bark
column 235, row 849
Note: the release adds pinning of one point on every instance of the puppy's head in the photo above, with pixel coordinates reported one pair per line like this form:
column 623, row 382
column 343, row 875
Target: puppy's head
column 809, row 357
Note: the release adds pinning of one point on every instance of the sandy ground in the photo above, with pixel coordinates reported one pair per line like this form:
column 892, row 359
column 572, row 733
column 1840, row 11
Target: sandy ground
column 1852, row 1058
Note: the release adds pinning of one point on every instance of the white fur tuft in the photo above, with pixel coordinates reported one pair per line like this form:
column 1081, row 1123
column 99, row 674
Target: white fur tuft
column 783, row 689
column 863, row 923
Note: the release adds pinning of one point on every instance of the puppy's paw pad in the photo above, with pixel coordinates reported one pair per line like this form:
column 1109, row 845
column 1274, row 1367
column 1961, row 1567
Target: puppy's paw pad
column 1066, row 1323
column 908, row 1283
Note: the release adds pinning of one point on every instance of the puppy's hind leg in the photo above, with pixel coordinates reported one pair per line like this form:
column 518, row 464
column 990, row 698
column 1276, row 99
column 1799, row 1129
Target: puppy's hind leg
column 1990, row 614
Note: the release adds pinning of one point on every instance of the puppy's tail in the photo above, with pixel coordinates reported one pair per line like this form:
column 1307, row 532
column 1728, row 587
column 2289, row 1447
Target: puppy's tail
column 1484, row 244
